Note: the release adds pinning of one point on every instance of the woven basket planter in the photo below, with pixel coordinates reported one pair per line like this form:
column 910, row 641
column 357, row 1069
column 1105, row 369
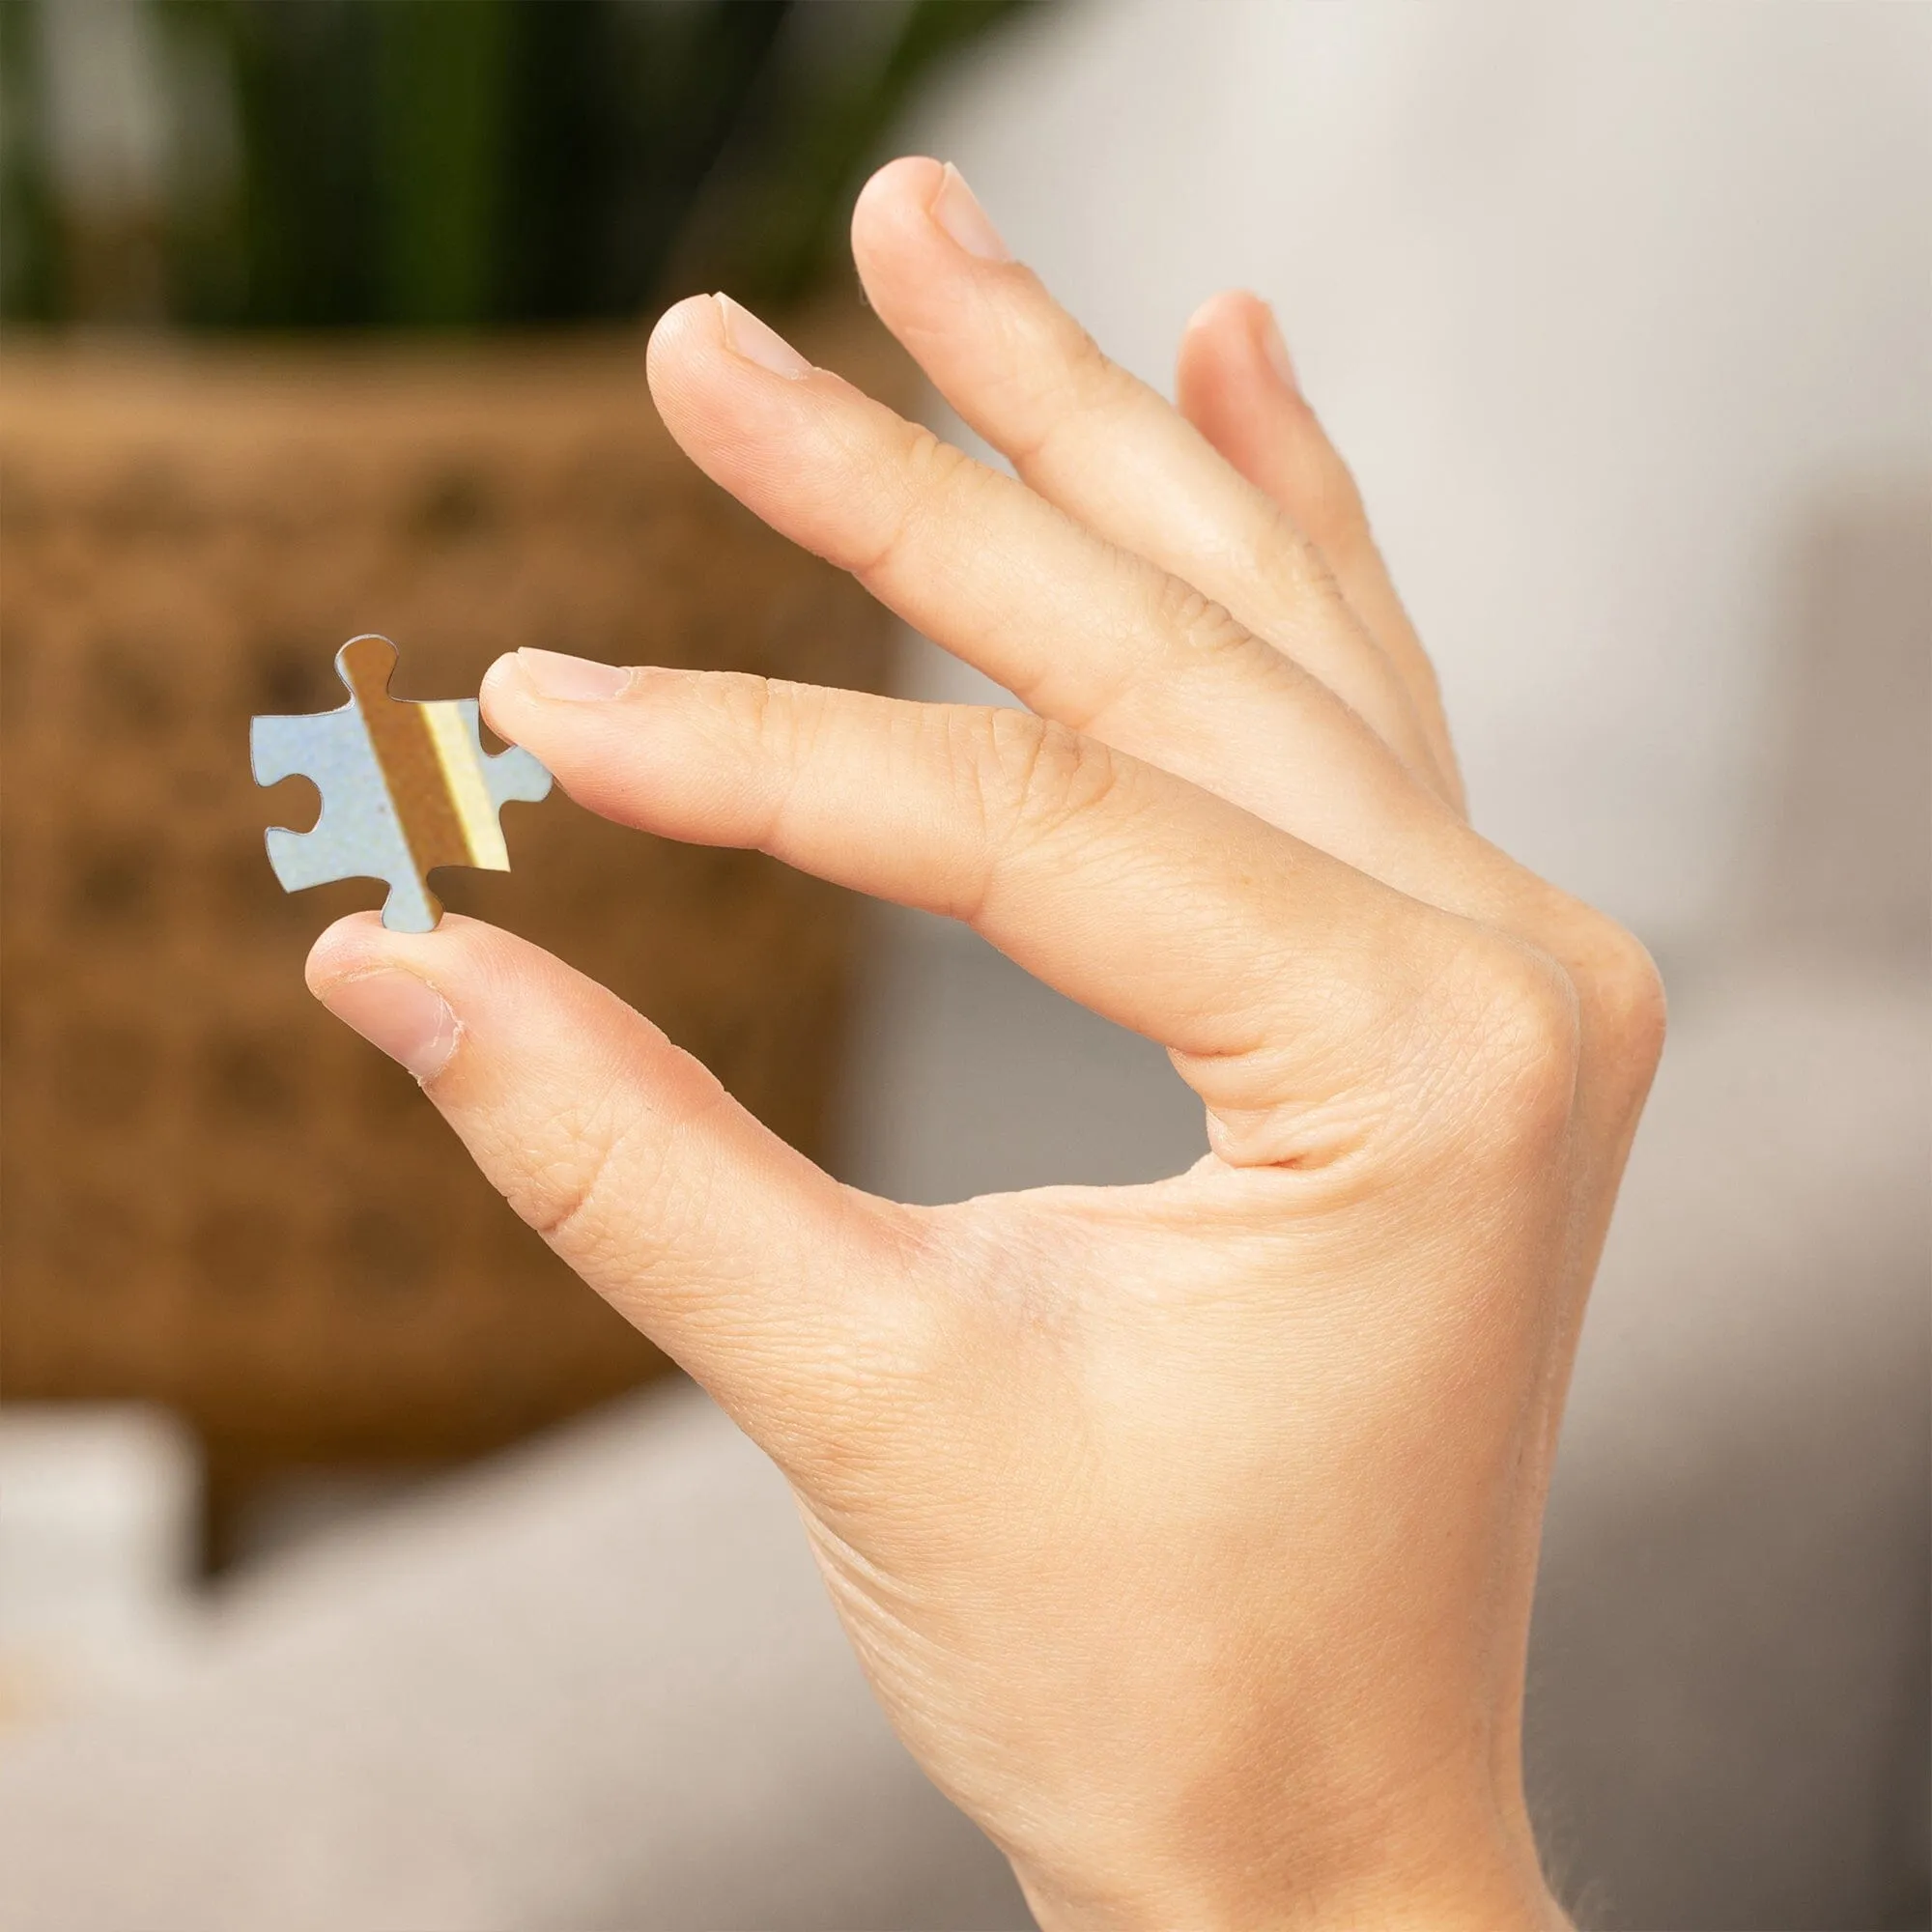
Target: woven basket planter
column 214, row 1196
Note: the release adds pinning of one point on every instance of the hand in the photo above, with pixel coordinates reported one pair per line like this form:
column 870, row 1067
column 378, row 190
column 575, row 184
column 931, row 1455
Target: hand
column 1186, row 1531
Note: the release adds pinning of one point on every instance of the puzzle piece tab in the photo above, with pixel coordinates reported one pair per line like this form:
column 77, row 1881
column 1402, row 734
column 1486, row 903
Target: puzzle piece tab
column 404, row 787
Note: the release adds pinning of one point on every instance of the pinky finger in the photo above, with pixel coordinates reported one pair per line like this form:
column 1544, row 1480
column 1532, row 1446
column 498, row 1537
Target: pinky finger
column 1237, row 386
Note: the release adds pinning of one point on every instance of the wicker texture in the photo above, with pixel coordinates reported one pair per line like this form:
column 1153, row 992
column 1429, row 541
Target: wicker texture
column 214, row 1195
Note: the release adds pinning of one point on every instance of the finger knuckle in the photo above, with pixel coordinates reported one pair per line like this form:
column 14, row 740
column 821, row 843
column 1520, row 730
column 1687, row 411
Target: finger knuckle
column 755, row 727
column 1063, row 366
column 1093, row 380
column 560, row 1185
column 1512, row 1015
column 932, row 464
column 609, row 1179
column 770, row 727
column 740, row 703
column 1034, row 776
column 1053, row 375
column 926, row 472
column 1624, row 1008
column 1203, row 630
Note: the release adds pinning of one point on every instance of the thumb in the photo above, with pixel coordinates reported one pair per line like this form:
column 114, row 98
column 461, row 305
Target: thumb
column 742, row 1261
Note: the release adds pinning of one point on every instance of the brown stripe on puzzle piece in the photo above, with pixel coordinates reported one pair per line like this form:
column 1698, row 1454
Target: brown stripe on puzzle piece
column 399, row 734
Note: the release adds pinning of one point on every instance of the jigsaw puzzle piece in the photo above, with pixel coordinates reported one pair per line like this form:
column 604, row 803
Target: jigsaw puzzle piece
column 406, row 787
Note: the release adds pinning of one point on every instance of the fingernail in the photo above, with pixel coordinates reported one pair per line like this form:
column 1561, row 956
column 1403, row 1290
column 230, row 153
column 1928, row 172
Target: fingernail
column 1276, row 350
column 404, row 1016
column 556, row 675
column 957, row 211
column 758, row 342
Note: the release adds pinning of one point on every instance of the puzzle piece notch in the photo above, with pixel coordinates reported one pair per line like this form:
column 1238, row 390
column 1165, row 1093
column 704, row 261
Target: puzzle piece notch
column 406, row 787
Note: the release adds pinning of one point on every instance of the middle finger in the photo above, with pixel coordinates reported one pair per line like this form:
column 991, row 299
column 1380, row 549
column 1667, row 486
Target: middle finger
column 1095, row 441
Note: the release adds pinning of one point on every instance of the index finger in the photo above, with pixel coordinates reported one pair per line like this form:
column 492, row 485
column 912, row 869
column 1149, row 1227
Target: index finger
column 1281, row 979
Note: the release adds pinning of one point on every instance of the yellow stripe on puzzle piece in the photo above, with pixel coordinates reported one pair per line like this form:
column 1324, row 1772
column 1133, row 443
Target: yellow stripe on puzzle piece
column 456, row 753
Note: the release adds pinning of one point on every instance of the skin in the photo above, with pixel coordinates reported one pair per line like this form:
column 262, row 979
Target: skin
column 1188, row 1532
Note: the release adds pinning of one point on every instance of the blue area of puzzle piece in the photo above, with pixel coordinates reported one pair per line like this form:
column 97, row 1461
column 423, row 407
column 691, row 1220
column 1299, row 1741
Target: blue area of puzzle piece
column 357, row 835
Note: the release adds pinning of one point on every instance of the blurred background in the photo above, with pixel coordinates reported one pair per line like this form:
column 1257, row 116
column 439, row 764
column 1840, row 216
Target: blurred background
column 358, row 1569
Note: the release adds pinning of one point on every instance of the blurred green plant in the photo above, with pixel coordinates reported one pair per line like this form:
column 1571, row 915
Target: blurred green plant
column 439, row 163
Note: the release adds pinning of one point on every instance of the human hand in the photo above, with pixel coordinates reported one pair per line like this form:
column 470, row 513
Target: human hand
column 1188, row 1532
